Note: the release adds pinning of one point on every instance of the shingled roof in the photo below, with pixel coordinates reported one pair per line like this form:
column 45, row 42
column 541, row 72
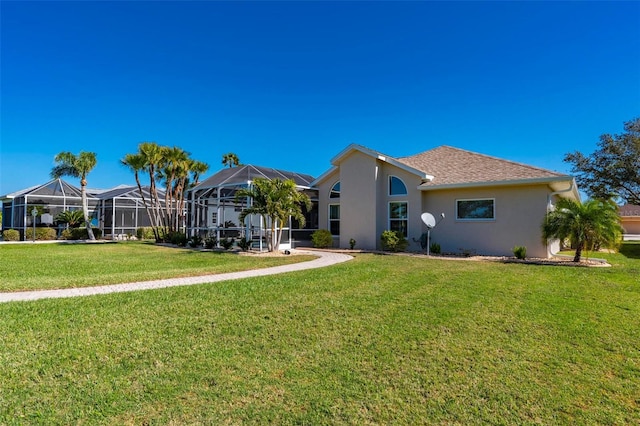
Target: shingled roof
column 452, row 166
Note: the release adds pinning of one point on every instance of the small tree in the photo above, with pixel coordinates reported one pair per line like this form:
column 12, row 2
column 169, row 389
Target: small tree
column 77, row 166
column 275, row 201
column 594, row 222
column 73, row 218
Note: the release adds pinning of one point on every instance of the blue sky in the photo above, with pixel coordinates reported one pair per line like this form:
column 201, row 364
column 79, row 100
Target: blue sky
column 290, row 84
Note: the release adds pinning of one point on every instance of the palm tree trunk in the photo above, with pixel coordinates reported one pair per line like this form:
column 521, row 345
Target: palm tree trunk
column 85, row 209
column 579, row 247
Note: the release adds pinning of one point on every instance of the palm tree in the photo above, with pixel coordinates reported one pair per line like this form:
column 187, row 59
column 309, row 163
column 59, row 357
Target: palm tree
column 595, row 223
column 230, row 159
column 136, row 163
column 77, row 166
column 72, row 218
column 274, row 201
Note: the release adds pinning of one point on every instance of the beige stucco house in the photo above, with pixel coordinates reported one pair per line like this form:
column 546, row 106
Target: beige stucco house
column 490, row 204
column 630, row 221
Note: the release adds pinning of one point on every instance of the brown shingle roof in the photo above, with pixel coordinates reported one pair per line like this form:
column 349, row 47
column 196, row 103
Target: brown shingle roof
column 453, row 166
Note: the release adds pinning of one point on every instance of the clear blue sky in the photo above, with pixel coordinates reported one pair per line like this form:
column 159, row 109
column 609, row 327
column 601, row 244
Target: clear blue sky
column 290, row 84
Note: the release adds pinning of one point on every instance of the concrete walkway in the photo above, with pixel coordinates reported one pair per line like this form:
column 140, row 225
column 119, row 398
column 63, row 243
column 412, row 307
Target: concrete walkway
column 324, row 259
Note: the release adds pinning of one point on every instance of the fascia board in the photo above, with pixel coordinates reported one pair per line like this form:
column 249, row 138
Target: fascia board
column 374, row 154
column 515, row 182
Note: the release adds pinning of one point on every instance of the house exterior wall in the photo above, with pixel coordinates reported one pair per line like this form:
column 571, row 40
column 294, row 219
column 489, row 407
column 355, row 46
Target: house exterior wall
column 359, row 175
column 324, row 188
column 519, row 213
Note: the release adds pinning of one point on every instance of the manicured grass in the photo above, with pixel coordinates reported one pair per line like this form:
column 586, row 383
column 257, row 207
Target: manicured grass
column 378, row 340
column 49, row 266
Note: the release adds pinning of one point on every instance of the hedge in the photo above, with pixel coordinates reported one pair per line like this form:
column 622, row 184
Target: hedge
column 79, row 234
column 42, row 234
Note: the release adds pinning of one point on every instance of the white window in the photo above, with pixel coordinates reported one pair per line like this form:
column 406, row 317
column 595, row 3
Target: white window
column 481, row 209
column 335, row 190
column 397, row 186
column 334, row 219
column 398, row 217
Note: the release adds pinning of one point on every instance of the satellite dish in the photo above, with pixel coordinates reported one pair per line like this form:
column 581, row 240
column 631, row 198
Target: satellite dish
column 428, row 220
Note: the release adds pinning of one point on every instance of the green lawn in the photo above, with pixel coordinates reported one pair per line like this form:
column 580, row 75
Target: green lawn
column 378, row 340
column 50, row 266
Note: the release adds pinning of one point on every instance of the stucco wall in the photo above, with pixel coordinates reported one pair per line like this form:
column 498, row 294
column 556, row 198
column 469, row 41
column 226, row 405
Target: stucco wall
column 519, row 212
column 359, row 174
column 631, row 224
column 324, row 188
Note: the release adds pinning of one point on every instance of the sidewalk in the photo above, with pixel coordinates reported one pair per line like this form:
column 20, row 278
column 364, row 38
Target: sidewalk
column 324, row 259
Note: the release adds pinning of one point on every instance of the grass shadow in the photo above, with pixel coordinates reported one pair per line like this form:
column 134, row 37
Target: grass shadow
column 630, row 250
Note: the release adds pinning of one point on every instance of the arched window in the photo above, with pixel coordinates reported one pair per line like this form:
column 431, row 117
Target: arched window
column 397, row 186
column 335, row 190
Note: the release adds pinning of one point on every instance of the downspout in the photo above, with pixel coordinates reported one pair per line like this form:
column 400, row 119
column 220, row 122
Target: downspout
column 549, row 198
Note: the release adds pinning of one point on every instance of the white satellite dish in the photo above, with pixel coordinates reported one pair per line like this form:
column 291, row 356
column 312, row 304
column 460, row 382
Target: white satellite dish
column 428, row 220
column 431, row 223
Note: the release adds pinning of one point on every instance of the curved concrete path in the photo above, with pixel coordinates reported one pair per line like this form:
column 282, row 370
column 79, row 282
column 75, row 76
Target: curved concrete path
column 324, row 259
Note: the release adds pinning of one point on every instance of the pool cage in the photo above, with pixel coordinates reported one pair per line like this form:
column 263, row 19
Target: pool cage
column 49, row 200
column 213, row 210
column 122, row 211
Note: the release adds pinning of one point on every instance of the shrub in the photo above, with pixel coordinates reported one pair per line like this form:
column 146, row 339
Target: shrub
column 195, row 241
column 434, row 248
column 393, row 241
column 244, row 244
column 11, row 235
column 210, row 242
column 178, row 238
column 227, row 243
column 145, row 233
column 352, row 244
column 322, row 238
column 520, row 252
column 42, row 234
column 79, row 233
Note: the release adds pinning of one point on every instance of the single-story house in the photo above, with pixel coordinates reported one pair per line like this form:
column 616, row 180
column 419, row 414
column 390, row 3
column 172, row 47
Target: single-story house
column 630, row 221
column 489, row 204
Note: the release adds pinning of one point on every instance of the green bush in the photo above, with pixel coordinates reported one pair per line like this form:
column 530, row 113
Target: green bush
column 244, row 244
column 178, row 238
column 322, row 238
column 520, row 252
column 434, row 248
column 210, row 242
column 11, row 235
column 42, row 234
column 145, row 233
column 393, row 241
column 352, row 244
column 79, row 233
column 227, row 243
column 195, row 241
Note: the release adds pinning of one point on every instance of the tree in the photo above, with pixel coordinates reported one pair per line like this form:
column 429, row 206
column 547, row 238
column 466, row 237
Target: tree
column 614, row 169
column 173, row 168
column 274, row 201
column 230, row 159
column 77, row 166
column 592, row 224
column 73, row 218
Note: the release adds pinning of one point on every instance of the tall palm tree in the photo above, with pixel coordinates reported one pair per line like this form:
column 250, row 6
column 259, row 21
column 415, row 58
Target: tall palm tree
column 594, row 223
column 77, row 166
column 230, row 159
column 274, row 201
column 136, row 163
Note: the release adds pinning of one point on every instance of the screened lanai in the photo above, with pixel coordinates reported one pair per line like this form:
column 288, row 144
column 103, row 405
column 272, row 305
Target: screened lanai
column 49, row 199
column 213, row 209
column 122, row 211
